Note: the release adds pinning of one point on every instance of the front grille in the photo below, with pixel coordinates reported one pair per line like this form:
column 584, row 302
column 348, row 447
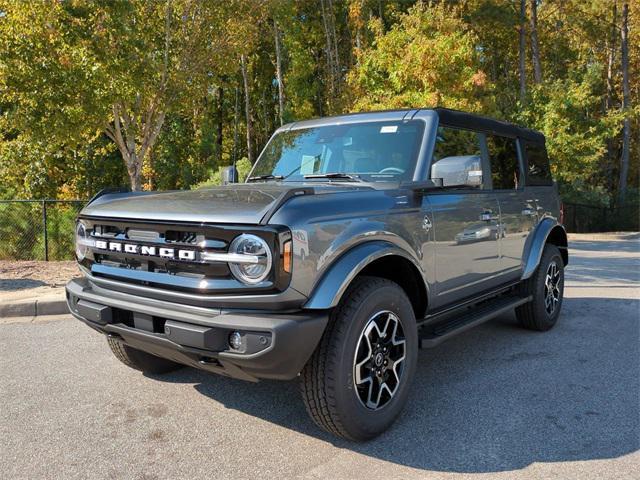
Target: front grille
column 140, row 257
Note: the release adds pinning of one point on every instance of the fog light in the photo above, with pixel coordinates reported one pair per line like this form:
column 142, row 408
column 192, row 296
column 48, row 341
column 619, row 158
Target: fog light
column 235, row 340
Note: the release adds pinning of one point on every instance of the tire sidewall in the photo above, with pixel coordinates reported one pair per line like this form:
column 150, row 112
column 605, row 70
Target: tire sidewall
column 550, row 254
column 360, row 421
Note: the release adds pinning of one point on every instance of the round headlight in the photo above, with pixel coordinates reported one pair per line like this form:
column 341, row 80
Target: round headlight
column 258, row 261
column 82, row 246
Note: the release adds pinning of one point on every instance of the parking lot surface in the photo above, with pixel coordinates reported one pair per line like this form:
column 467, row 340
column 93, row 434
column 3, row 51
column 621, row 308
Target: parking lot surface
column 494, row 402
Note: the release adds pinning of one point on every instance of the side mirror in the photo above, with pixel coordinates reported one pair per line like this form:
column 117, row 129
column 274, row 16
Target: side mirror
column 463, row 171
column 229, row 175
column 474, row 178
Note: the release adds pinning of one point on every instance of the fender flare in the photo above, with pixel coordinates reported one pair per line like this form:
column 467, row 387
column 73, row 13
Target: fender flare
column 335, row 281
column 533, row 252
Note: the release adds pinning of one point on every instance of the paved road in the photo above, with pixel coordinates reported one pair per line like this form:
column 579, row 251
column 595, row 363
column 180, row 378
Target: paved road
column 495, row 402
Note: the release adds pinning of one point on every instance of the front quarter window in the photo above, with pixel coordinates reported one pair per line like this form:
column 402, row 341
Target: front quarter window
column 372, row 151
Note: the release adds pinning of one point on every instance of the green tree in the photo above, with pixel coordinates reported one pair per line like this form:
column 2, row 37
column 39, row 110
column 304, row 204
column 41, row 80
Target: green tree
column 76, row 69
column 427, row 59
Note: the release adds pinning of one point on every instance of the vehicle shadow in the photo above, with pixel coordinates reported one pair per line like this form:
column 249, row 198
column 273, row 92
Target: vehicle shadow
column 496, row 398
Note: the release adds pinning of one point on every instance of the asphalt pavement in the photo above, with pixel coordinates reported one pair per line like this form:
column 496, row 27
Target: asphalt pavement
column 494, row 402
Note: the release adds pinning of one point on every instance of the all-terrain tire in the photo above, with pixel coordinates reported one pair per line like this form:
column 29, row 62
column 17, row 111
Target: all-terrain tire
column 139, row 360
column 327, row 382
column 535, row 315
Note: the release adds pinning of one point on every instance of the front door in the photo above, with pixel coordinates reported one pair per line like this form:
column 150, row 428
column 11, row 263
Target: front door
column 465, row 220
column 466, row 244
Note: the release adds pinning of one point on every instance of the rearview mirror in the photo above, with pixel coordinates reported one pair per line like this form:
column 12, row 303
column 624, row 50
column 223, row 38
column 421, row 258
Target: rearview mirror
column 463, row 170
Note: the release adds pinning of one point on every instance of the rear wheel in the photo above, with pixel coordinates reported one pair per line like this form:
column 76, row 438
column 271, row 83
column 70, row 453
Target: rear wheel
column 140, row 360
column 546, row 286
column 357, row 381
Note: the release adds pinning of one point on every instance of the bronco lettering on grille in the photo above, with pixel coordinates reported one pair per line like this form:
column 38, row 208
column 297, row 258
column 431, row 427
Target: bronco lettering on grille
column 147, row 250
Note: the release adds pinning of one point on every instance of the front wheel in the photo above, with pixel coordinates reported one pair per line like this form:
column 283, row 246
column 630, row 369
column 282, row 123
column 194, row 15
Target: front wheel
column 357, row 381
column 546, row 286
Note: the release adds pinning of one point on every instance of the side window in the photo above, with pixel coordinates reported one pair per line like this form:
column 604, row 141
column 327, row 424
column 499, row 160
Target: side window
column 505, row 169
column 457, row 157
column 538, row 172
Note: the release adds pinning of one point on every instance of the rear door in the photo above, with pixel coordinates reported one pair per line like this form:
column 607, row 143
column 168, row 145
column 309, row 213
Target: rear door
column 518, row 212
column 465, row 221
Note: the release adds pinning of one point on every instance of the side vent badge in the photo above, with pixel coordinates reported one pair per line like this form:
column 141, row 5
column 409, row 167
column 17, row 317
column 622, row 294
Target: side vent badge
column 426, row 224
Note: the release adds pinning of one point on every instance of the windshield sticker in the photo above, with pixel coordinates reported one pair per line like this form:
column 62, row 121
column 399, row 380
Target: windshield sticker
column 389, row 129
column 308, row 164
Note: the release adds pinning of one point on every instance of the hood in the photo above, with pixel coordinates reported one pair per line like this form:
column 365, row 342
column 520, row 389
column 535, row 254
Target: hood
column 241, row 203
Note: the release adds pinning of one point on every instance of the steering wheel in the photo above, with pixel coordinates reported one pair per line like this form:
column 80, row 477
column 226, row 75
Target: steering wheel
column 391, row 170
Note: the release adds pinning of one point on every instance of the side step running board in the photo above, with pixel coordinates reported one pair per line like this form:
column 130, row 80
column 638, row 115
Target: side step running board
column 438, row 331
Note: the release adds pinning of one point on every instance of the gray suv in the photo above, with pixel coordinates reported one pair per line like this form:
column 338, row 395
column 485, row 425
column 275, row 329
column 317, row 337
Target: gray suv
column 355, row 241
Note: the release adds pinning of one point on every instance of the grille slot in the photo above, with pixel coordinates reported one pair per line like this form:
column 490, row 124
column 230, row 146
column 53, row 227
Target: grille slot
column 175, row 236
column 143, row 235
column 106, row 231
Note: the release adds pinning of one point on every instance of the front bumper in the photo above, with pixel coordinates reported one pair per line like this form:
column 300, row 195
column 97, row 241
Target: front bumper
column 275, row 346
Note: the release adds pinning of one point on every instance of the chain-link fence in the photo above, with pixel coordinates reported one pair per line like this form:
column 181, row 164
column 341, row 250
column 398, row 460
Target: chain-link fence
column 38, row 229
column 583, row 218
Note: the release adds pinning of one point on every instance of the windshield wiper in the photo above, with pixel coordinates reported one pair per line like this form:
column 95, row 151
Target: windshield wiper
column 265, row 177
column 334, row 175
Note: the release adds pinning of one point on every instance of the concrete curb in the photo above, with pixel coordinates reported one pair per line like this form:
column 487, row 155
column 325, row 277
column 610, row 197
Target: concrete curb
column 33, row 308
column 611, row 236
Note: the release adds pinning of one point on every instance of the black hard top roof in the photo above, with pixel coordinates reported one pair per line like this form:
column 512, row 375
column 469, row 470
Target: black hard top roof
column 453, row 118
column 456, row 118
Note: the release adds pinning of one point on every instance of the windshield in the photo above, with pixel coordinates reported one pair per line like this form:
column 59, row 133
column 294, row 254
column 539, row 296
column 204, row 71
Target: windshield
column 373, row 151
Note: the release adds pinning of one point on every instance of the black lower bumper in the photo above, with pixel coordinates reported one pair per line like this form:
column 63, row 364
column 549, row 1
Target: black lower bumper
column 273, row 346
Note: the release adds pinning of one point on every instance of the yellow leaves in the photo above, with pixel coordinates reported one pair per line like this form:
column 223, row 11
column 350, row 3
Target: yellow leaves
column 428, row 58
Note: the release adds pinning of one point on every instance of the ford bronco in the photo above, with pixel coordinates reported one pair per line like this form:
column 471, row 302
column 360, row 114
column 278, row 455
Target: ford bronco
column 355, row 241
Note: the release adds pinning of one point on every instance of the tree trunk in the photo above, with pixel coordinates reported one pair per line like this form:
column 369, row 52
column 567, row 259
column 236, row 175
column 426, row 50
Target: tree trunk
column 608, row 103
column 134, row 169
column 626, row 131
column 220, row 123
column 535, row 46
column 236, row 114
column 522, row 52
column 336, row 56
column 134, row 146
column 151, row 181
column 247, row 108
column 279, row 73
column 135, row 129
column 329, row 49
column 611, row 57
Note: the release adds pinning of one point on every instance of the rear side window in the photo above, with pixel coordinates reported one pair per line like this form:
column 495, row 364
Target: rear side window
column 505, row 168
column 538, row 172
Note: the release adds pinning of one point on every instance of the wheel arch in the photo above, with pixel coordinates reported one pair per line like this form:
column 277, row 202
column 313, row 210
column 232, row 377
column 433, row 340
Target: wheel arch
column 376, row 258
column 547, row 231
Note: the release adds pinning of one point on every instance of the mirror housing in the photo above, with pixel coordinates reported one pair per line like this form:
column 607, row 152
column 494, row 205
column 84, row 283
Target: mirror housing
column 229, row 175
